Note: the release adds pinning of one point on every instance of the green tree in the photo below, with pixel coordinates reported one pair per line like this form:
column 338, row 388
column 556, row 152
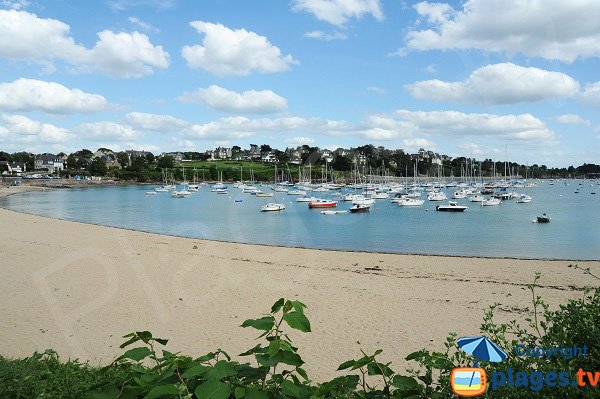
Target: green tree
column 123, row 159
column 150, row 158
column 166, row 161
column 98, row 167
column 342, row 163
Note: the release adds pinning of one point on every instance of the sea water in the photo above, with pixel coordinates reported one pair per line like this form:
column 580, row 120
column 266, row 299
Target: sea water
column 492, row 231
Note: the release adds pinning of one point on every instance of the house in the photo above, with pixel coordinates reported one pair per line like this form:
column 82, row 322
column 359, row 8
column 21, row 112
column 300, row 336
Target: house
column 294, row 155
column 254, row 151
column 327, row 155
column 14, row 167
column 269, row 158
column 50, row 162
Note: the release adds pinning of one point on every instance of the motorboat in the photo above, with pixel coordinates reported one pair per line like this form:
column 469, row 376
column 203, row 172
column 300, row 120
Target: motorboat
column 543, row 219
column 436, row 196
column 150, row 192
column 333, row 212
column 477, row 198
column 524, row 199
column 306, row 199
column 161, row 189
column 381, row 196
column 360, row 208
column 460, row 194
column 262, row 194
column 491, row 202
column 411, row 202
column 322, row 203
column 451, row 207
column 296, row 192
column 272, row 207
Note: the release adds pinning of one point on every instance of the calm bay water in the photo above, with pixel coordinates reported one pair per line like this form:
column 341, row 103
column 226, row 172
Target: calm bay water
column 502, row 231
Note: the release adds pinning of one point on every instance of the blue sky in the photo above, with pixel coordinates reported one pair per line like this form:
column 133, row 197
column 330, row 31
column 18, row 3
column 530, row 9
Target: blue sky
column 482, row 78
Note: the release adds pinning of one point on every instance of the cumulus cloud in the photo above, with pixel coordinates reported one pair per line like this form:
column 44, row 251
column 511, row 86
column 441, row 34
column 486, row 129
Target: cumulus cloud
column 318, row 34
column 572, row 119
column 23, row 130
column 298, row 141
column 591, row 94
column 154, row 122
column 38, row 95
column 226, row 51
column 27, row 37
column 142, row 24
column 339, row 12
column 251, row 101
column 551, row 29
column 98, row 131
column 498, row 84
column 453, row 123
column 15, row 4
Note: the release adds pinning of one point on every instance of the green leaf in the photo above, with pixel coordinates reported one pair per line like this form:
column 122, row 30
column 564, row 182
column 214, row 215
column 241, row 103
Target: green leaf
column 132, row 338
column 106, row 392
column 274, row 347
column 277, row 305
column 293, row 359
column 220, row 370
column 415, row 355
column 346, row 364
column 405, row 383
column 297, row 321
column 136, row 354
column 290, row 389
column 264, row 323
column 161, row 391
column 302, row 373
column 257, row 349
column 254, row 393
column 239, row 392
column 298, row 306
column 363, row 361
column 212, row 389
column 194, row 371
column 161, row 341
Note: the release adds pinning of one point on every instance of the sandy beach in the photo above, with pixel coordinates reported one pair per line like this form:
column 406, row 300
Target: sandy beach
column 78, row 288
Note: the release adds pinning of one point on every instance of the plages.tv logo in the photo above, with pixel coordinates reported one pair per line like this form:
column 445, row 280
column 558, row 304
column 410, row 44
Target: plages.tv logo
column 472, row 381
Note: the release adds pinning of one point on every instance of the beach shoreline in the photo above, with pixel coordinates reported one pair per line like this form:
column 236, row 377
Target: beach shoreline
column 77, row 288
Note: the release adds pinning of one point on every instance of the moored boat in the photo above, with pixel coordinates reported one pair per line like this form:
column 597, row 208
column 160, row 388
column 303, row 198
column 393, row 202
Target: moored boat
column 272, row 207
column 451, row 207
column 543, row 219
column 322, row 203
column 360, row 208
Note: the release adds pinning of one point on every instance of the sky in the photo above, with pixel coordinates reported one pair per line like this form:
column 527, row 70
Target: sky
column 500, row 79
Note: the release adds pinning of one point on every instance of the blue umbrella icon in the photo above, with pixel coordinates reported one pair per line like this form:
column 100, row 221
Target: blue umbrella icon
column 482, row 348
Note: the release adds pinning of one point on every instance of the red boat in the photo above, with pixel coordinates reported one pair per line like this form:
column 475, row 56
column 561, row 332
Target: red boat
column 322, row 203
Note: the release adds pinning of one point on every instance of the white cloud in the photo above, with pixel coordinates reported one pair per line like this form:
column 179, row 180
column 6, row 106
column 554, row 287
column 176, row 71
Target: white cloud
column 98, row 131
column 338, row 12
column 298, row 141
column 154, row 122
column 551, row 29
column 498, row 84
column 234, row 52
column 591, row 94
column 318, row 34
column 38, row 95
column 431, row 68
column 23, row 130
column 122, row 5
column 453, row 123
column 26, row 37
column 142, row 24
column 15, row 4
column 251, row 101
column 375, row 89
column 127, row 55
column 572, row 119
